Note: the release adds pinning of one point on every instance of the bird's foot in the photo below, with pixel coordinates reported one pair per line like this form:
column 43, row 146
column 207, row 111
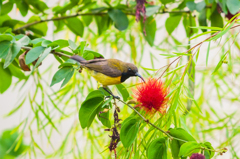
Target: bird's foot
column 114, row 97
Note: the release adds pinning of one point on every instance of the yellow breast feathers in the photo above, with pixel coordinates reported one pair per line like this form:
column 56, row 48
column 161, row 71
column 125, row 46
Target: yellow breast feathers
column 104, row 79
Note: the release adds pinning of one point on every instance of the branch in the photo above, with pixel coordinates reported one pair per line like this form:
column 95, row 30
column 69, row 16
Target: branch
column 221, row 151
column 85, row 14
column 58, row 18
column 191, row 50
column 52, row 52
column 147, row 121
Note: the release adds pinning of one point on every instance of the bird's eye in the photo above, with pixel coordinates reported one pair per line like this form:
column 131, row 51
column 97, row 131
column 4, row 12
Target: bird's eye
column 129, row 69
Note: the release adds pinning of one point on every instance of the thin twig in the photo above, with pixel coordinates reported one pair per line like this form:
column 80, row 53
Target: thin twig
column 169, row 66
column 58, row 18
column 146, row 120
column 192, row 49
column 84, row 14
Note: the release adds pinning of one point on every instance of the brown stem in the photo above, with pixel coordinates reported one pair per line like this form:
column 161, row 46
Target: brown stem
column 193, row 48
column 84, row 14
column 58, row 18
column 146, row 120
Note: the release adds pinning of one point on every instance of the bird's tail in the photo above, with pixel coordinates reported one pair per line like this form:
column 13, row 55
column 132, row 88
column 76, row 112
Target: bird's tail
column 78, row 58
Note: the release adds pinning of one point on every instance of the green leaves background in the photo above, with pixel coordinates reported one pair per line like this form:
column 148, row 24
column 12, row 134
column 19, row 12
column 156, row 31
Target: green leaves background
column 91, row 29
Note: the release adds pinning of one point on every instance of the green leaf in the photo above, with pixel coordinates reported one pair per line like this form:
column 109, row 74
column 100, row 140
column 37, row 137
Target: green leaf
column 45, row 43
column 119, row 18
column 182, row 134
column 107, row 102
column 40, row 28
column 103, row 23
column 200, row 6
column 59, row 24
column 5, row 37
column 82, row 46
column 202, row 19
column 95, row 94
column 152, row 9
column 209, row 146
column 88, row 56
column 191, row 5
column 12, row 23
column 207, row 154
column 68, row 77
column 43, row 56
column 221, row 33
column 223, row 6
column 167, row 1
column 0, row 6
column 37, row 40
column 25, row 40
column 61, row 43
column 62, row 10
column 95, row 54
column 33, row 54
column 6, row 8
column 72, row 45
column 17, row 72
column 9, row 140
column 149, row 27
column 74, row 1
column 206, row 27
column 175, row 147
column 69, row 62
column 63, row 73
column 104, row 117
column 13, row 51
column 39, row 6
column 220, row 63
column 189, row 23
column 157, row 149
column 172, row 22
column 216, row 19
column 123, row 91
column 129, row 130
column 233, row 6
column 22, row 6
column 75, row 25
column 4, row 18
column 5, row 80
column 89, row 107
column 208, row 49
column 5, row 47
column 188, row 148
column 87, row 19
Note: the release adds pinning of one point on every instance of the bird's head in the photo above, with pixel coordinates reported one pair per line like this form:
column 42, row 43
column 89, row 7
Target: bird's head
column 130, row 70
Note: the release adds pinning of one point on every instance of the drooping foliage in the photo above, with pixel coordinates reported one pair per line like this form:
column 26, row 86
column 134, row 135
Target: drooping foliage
column 170, row 41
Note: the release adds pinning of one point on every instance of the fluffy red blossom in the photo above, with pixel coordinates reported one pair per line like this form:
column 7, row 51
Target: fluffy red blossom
column 197, row 156
column 151, row 96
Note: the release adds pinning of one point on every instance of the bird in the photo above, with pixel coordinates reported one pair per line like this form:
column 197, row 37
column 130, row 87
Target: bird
column 108, row 71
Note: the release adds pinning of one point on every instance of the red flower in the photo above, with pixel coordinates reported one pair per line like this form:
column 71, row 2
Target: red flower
column 197, row 156
column 151, row 96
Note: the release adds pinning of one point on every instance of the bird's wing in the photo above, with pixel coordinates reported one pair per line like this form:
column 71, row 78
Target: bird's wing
column 104, row 66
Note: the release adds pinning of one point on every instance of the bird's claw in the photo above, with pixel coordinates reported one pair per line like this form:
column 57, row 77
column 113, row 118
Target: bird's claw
column 117, row 97
column 114, row 97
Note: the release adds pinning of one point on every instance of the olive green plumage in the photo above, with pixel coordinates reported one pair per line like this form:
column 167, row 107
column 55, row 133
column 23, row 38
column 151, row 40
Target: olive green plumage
column 108, row 71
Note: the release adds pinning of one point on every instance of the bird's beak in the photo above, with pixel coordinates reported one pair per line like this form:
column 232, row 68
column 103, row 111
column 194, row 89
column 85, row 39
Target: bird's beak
column 137, row 74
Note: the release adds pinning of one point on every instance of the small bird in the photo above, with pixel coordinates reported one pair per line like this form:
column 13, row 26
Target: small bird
column 108, row 71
